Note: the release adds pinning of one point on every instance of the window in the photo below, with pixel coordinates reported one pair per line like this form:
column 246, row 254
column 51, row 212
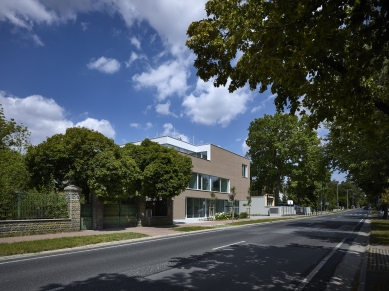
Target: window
column 209, row 183
column 205, row 182
column 244, row 170
column 193, row 181
column 215, row 184
column 224, row 185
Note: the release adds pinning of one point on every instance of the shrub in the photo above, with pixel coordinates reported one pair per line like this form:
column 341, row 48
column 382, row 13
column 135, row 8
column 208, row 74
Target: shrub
column 222, row 216
column 243, row 215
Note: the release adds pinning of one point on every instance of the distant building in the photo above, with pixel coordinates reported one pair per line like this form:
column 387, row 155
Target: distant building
column 214, row 170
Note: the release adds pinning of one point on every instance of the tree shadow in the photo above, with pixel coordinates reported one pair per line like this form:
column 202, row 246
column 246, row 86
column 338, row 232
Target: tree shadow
column 263, row 265
column 115, row 282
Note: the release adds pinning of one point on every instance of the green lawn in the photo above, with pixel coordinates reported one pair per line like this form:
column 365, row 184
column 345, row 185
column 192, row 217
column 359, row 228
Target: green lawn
column 379, row 232
column 7, row 249
column 236, row 223
column 193, row 228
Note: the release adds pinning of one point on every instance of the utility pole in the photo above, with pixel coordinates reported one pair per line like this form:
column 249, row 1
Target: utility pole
column 321, row 199
column 337, row 195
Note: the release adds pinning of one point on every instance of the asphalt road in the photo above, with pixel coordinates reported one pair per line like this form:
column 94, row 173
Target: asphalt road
column 300, row 254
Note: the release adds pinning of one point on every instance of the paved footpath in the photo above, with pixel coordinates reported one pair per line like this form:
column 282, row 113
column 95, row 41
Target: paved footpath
column 151, row 231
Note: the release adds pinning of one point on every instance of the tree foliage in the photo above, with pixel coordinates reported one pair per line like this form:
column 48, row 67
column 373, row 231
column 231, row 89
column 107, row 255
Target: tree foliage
column 363, row 154
column 13, row 172
column 165, row 172
column 284, row 148
column 12, row 135
column 65, row 159
column 320, row 55
column 112, row 175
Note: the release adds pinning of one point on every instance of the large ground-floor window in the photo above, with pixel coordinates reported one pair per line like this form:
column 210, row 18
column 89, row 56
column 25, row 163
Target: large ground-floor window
column 199, row 207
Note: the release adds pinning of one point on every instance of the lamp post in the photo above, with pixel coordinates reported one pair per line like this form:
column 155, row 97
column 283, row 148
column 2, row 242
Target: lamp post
column 347, row 198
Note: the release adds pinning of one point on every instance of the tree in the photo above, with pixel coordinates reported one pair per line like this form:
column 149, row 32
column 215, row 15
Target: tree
column 13, row 173
column 66, row 158
column 112, row 175
column 281, row 146
column 12, row 135
column 322, row 56
column 165, row 172
column 361, row 153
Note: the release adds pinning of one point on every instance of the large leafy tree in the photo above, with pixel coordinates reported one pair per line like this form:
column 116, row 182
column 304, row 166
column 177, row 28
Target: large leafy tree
column 362, row 153
column 13, row 172
column 165, row 172
column 112, row 175
column 66, row 159
column 320, row 55
column 283, row 148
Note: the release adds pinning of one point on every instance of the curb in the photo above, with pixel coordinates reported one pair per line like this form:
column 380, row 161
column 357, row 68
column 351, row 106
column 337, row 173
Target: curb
column 363, row 272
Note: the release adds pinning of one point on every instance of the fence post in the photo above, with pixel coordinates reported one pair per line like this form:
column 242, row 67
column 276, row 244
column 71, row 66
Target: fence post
column 74, row 207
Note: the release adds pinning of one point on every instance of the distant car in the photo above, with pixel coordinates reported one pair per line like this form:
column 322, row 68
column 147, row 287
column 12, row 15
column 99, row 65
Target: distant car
column 365, row 208
column 380, row 214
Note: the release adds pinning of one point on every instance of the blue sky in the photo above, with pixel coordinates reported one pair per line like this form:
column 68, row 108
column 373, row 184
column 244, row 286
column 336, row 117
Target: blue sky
column 119, row 67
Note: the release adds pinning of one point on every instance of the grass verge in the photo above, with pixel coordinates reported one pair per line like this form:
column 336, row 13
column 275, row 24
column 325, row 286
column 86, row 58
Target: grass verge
column 379, row 232
column 193, row 228
column 243, row 222
column 16, row 248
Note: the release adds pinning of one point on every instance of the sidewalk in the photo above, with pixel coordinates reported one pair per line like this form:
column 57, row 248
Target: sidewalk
column 153, row 231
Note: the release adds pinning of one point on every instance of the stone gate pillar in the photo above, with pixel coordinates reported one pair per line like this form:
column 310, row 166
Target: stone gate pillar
column 74, row 207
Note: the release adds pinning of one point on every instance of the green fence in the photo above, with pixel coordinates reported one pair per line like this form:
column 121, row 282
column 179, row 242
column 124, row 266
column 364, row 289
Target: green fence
column 119, row 215
column 23, row 206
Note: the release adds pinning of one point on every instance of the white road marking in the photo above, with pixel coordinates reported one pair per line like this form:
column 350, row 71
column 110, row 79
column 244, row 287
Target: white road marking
column 239, row 242
column 321, row 264
column 318, row 267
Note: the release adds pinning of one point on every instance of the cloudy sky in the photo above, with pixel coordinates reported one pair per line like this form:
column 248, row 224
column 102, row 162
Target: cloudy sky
column 119, row 67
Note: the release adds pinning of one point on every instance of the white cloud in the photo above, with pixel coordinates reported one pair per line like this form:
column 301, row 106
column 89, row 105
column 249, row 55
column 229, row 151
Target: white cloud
column 103, row 126
column 245, row 147
column 169, row 78
column 44, row 117
column 134, row 41
column 104, row 65
column 163, row 109
column 263, row 103
column 210, row 105
column 84, row 25
column 25, row 13
column 135, row 125
column 148, row 125
column 134, row 56
column 148, row 108
column 169, row 130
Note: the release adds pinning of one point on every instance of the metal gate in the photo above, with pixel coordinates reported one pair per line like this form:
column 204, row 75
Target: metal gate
column 86, row 216
column 119, row 215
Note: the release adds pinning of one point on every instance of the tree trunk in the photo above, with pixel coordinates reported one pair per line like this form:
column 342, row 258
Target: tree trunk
column 385, row 211
column 276, row 193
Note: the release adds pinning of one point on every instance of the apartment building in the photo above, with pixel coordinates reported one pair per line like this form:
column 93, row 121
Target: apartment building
column 215, row 170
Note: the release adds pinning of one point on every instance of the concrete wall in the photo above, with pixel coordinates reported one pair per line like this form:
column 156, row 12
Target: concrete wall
column 258, row 206
column 224, row 164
